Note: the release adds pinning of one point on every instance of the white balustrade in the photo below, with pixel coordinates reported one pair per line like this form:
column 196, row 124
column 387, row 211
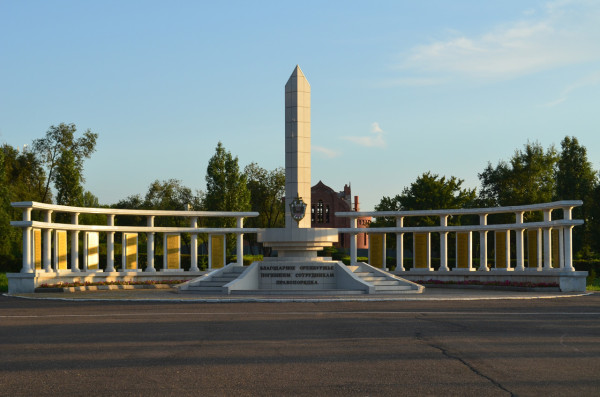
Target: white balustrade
column 47, row 227
column 543, row 234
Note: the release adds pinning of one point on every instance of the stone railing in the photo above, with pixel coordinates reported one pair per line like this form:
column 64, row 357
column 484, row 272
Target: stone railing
column 45, row 242
column 548, row 242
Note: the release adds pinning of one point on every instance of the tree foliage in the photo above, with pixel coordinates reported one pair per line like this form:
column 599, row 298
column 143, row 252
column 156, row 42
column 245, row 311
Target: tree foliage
column 527, row 178
column 67, row 180
column 575, row 177
column 428, row 192
column 63, row 156
column 576, row 180
column 5, row 209
column 24, row 175
column 267, row 192
column 226, row 188
column 21, row 179
column 170, row 195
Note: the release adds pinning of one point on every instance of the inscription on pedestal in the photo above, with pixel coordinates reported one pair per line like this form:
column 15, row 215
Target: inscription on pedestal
column 296, row 276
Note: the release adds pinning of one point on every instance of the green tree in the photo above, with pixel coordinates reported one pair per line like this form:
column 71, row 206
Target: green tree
column 63, row 156
column 527, row 179
column 576, row 180
column 594, row 220
column 428, row 192
column 5, row 210
column 171, row 195
column 21, row 177
column 226, row 189
column 267, row 191
column 67, row 180
column 90, row 201
column 24, row 174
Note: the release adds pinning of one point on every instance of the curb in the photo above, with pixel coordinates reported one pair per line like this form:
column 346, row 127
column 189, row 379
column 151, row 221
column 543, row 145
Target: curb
column 493, row 288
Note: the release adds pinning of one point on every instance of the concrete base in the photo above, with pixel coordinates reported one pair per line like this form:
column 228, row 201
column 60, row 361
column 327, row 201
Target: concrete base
column 567, row 281
column 28, row 282
column 297, row 243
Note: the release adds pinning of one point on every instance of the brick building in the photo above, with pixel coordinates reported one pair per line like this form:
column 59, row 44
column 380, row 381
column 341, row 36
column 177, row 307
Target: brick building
column 326, row 202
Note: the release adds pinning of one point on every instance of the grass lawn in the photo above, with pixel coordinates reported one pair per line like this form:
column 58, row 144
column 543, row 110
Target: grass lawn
column 3, row 283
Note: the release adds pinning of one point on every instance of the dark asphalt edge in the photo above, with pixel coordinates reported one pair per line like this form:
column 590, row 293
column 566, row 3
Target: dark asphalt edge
column 298, row 299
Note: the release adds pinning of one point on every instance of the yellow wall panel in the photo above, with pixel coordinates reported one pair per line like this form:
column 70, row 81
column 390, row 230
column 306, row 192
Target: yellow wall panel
column 420, row 250
column 500, row 249
column 462, row 250
column 37, row 248
column 555, row 248
column 532, row 248
column 60, row 250
column 93, row 255
column 172, row 250
column 130, row 246
column 217, row 242
column 376, row 250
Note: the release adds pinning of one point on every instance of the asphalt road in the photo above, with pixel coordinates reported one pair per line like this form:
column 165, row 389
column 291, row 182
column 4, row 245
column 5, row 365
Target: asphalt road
column 539, row 347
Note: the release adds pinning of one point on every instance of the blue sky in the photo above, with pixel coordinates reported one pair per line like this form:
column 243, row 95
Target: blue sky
column 398, row 88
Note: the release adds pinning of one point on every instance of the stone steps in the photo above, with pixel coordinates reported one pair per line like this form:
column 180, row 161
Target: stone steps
column 215, row 284
column 381, row 283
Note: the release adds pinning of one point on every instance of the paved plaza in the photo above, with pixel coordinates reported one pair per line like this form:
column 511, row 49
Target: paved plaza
column 442, row 342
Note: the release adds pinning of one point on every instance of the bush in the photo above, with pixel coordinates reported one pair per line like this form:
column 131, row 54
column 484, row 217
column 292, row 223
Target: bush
column 10, row 264
column 587, row 265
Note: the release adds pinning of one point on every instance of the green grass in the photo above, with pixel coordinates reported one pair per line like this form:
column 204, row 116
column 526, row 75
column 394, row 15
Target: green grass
column 593, row 285
column 3, row 282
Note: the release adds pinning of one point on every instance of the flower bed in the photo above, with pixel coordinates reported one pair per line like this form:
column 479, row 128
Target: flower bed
column 89, row 284
column 506, row 283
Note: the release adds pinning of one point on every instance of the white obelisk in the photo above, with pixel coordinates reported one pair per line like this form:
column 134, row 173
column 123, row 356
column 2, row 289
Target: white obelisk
column 297, row 146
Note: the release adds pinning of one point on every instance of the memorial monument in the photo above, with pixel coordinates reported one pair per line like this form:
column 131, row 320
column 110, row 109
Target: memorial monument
column 297, row 268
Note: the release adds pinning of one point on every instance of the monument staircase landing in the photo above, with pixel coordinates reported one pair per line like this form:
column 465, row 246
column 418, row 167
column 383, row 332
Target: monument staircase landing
column 383, row 283
column 213, row 283
column 351, row 280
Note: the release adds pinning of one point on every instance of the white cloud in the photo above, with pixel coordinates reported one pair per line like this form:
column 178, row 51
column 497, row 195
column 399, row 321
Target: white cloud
column 587, row 81
column 413, row 82
column 329, row 153
column 554, row 103
column 375, row 139
column 563, row 33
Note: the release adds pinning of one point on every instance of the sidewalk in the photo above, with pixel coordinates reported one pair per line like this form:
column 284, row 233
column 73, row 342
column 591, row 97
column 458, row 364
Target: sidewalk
column 171, row 295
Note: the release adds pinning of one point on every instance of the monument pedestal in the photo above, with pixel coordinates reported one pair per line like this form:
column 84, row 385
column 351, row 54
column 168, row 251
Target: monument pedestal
column 297, row 244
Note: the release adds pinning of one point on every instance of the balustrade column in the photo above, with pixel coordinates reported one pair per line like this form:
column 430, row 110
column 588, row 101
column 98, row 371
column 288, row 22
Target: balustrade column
column 519, row 238
column 547, row 241
column 110, row 245
column 47, row 238
column 561, row 247
column 150, row 245
column 75, row 244
column 194, row 247
column 240, row 242
column 568, row 239
column 539, row 250
column 400, row 246
column 444, row 245
column 483, row 244
column 353, row 242
column 27, row 260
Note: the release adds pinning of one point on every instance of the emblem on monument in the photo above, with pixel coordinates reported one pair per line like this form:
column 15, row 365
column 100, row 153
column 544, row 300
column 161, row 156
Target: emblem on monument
column 298, row 209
